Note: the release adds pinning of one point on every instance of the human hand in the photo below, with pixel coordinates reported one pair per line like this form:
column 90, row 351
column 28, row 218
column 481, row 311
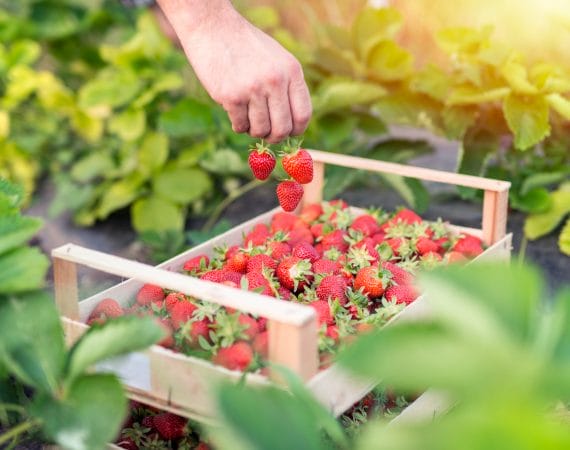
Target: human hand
column 257, row 81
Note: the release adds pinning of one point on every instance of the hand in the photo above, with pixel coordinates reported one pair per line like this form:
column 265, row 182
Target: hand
column 257, row 81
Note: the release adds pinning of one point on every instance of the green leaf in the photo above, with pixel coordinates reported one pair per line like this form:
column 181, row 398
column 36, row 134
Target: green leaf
column 389, row 62
column 128, row 125
column 477, row 148
column 87, row 417
column 471, row 95
column 96, row 164
column 337, row 61
column 463, row 39
column 263, row 17
column 53, row 21
column 224, row 161
column 190, row 156
column 32, row 345
column 373, row 25
column 564, row 239
column 541, row 179
column 538, row 225
column 408, row 108
column 16, row 230
column 4, row 124
column 111, row 88
column 527, row 118
column 115, row 337
column 24, row 52
column 411, row 190
column 517, row 77
column 182, row 185
column 187, row 118
column 12, row 193
column 153, row 153
column 199, row 236
column 458, row 119
column 119, row 194
column 341, row 93
column 431, row 81
column 156, row 214
column 560, row 104
column 535, row 201
column 22, row 269
column 86, row 125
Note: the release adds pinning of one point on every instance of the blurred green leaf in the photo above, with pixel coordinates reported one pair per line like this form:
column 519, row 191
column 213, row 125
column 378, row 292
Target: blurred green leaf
column 431, row 81
column 527, row 118
column 93, row 165
column 156, row 214
column 410, row 189
column 187, row 118
column 119, row 194
column 153, row 153
column 471, row 95
column 541, row 179
column 535, row 201
column 537, row 225
column 564, row 239
column 182, row 185
column 225, row 161
column 22, row 269
column 373, row 25
column 110, row 88
column 129, row 125
column 263, row 17
column 16, row 230
column 457, row 120
column 387, row 61
column 560, row 104
column 341, row 93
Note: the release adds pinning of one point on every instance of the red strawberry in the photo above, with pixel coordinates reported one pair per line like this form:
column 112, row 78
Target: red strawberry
column 323, row 312
column 366, row 224
column 404, row 293
column 469, row 246
column 300, row 235
column 278, row 250
column 172, row 299
column 332, row 287
column 311, row 212
column 317, row 229
column 425, row 245
column 258, row 262
column 305, row 250
column 148, row 422
column 238, row 262
column 455, row 257
column 261, row 161
column 335, row 239
column 256, row 281
column 182, row 313
column 396, row 243
column 294, row 273
column 289, row 194
column 338, row 204
column 231, row 251
column 168, row 340
column 200, row 328
column 370, row 246
column 252, row 329
column 237, row 356
column 127, row 443
column 261, row 344
column 258, row 235
column 283, row 221
column 106, row 308
column 170, row 426
column 332, row 332
column 284, row 293
column 194, row 264
column 299, row 165
column 326, row 267
column 149, row 293
column 379, row 237
column 202, row 446
column 399, row 276
column 407, row 216
column 442, row 244
column 222, row 275
column 371, row 280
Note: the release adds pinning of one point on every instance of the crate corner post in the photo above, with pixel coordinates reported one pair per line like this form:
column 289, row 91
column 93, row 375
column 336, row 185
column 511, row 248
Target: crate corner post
column 65, row 283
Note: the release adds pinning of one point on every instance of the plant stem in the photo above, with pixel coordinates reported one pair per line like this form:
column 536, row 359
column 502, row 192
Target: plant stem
column 228, row 201
column 17, row 430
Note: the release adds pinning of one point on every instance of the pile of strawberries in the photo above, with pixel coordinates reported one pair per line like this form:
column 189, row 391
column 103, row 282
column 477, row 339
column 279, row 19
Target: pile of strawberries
column 152, row 429
column 356, row 271
column 296, row 161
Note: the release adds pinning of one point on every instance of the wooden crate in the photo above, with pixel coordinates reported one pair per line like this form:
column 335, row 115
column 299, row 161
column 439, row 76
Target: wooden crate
column 183, row 384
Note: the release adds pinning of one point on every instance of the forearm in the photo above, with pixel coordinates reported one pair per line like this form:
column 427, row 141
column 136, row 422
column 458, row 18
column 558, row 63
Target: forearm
column 188, row 16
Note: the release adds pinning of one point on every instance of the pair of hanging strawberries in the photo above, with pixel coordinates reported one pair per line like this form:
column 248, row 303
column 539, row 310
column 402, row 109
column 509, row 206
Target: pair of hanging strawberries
column 296, row 161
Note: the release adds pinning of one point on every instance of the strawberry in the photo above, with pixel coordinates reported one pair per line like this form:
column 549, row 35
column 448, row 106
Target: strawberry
column 404, row 293
column 289, row 194
column 365, row 224
column 170, row 426
column 261, row 161
column 278, row 250
column 195, row 264
column 468, row 245
column 323, row 310
column 258, row 262
column 335, row 239
column 222, row 275
column 399, row 275
column 238, row 262
column 237, row 356
column 127, row 443
column 379, row 237
column 407, row 216
column 305, row 250
column 372, row 280
column 318, row 229
column 396, row 243
column 202, row 446
column 284, row 294
column 338, row 204
column 298, row 163
column 149, row 293
column 326, row 267
column 172, row 299
column 200, row 328
column 168, row 340
column 181, row 313
column 148, row 422
column 455, row 257
column 332, row 332
column 252, row 329
column 106, row 309
column 231, row 252
column 300, row 235
column 258, row 235
column 294, row 273
column 283, row 221
column 311, row 212
column 257, row 282
column 261, row 344
column 332, row 287
column 425, row 245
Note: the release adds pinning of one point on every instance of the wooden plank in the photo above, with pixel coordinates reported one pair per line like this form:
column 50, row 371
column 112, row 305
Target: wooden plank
column 495, row 208
column 253, row 303
column 295, row 347
column 427, row 407
column 409, row 171
column 73, row 330
column 65, row 286
column 314, row 190
column 500, row 250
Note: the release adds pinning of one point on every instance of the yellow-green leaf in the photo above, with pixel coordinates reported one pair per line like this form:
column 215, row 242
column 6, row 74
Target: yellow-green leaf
column 182, row 185
column 373, row 25
column 4, row 124
column 129, row 125
column 527, row 117
column 467, row 95
column 120, row 194
column 458, row 119
column 431, row 81
column 560, row 104
column 537, row 225
column 389, row 62
column 462, row 39
column 342, row 93
column 517, row 77
column 564, row 239
column 156, row 214
column 153, row 153
column 87, row 126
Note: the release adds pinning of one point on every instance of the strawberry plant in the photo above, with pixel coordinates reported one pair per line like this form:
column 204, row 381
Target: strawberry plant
column 46, row 391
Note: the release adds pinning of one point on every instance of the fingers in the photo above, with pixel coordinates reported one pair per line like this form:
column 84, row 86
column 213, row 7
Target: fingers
column 238, row 114
column 300, row 102
column 259, row 120
column 280, row 115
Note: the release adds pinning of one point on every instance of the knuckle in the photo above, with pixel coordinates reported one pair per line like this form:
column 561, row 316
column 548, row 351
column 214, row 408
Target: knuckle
column 255, row 87
column 275, row 79
column 259, row 132
column 295, row 68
